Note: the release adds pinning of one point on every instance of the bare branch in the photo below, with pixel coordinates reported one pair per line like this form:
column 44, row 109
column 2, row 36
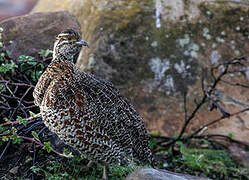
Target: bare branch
column 215, row 121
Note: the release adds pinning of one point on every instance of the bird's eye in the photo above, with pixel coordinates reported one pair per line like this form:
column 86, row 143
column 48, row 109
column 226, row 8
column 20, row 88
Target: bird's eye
column 69, row 38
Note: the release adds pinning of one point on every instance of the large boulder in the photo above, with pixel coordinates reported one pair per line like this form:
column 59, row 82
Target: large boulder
column 156, row 174
column 156, row 51
column 9, row 8
column 31, row 33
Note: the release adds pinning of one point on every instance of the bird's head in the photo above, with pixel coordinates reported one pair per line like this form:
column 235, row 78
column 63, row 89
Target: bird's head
column 68, row 45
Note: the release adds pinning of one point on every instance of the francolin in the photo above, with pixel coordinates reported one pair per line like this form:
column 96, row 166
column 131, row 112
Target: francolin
column 86, row 112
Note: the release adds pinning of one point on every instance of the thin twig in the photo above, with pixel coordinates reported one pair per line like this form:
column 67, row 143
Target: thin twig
column 17, row 122
column 16, row 84
column 39, row 143
column 215, row 121
column 207, row 94
column 185, row 106
column 4, row 150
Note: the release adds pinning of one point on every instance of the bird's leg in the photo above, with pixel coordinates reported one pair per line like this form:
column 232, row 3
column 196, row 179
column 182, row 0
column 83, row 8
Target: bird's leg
column 88, row 166
column 105, row 176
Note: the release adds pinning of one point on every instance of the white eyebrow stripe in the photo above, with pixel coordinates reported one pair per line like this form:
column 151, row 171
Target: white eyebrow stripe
column 63, row 35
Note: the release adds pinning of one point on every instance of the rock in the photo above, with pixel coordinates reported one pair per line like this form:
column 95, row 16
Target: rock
column 156, row 174
column 155, row 51
column 239, row 155
column 9, row 8
column 27, row 35
column 176, row 9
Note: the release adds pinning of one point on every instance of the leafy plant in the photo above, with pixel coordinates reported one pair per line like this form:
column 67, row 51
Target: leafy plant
column 8, row 67
column 120, row 172
column 30, row 66
column 15, row 138
column 47, row 147
column 21, row 120
column 72, row 168
column 35, row 135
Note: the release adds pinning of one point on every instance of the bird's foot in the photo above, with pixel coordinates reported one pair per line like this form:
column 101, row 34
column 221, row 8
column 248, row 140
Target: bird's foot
column 88, row 166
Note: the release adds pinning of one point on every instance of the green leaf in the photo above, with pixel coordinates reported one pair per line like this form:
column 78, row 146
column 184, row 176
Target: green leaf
column 35, row 169
column 45, row 53
column 21, row 120
column 8, row 53
column 24, row 58
column 2, row 88
column 8, row 67
column 5, row 138
column 35, row 76
column 33, row 63
column 42, row 66
column 65, row 174
column 6, row 132
column 35, row 135
column 47, row 147
column 16, row 139
column 28, row 159
column 66, row 151
column 6, row 120
column 31, row 114
column 13, row 130
column 179, row 143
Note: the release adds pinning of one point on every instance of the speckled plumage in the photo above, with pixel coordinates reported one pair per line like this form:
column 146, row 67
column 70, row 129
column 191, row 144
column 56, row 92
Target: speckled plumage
column 88, row 113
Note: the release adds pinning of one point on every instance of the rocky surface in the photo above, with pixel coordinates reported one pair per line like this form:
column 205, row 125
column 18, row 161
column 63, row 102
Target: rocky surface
column 9, row 8
column 239, row 155
column 31, row 33
column 154, row 54
column 156, row 174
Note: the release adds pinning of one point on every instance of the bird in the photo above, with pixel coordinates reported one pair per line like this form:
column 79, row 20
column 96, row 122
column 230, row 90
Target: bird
column 88, row 113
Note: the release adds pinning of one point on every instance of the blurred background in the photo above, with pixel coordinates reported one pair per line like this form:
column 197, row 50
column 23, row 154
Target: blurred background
column 10, row 8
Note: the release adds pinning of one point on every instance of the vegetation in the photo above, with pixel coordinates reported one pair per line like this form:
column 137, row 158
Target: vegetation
column 212, row 162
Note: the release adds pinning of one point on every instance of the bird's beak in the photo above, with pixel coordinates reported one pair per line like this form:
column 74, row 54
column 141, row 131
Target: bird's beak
column 82, row 43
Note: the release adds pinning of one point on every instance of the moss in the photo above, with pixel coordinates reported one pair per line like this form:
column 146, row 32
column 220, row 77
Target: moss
column 136, row 40
column 128, row 17
column 125, row 13
column 212, row 163
column 186, row 4
column 234, row 20
column 168, row 7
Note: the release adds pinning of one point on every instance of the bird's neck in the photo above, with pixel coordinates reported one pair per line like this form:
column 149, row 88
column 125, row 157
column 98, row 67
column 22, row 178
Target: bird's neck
column 62, row 57
column 57, row 55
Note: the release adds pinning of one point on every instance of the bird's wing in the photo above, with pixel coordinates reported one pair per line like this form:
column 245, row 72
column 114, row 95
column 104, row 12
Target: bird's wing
column 41, row 87
column 94, row 114
column 114, row 114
